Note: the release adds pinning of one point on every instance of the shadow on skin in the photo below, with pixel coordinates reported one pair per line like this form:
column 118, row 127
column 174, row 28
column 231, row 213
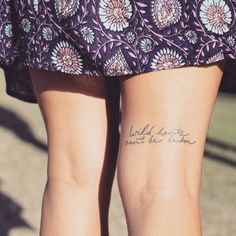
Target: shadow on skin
column 94, row 86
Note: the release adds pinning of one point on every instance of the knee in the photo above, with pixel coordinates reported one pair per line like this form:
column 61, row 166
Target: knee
column 168, row 194
column 73, row 170
column 73, row 162
column 69, row 181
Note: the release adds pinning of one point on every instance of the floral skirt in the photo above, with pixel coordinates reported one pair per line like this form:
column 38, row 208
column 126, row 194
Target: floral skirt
column 112, row 38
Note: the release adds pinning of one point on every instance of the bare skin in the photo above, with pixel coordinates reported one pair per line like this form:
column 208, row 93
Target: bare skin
column 168, row 114
column 165, row 119
column 82, row 128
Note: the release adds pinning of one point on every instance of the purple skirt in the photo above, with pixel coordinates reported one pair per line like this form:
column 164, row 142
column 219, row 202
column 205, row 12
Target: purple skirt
column 114, row 38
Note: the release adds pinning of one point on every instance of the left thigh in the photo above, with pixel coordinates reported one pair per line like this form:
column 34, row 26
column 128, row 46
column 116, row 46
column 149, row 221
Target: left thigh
column 165, row 119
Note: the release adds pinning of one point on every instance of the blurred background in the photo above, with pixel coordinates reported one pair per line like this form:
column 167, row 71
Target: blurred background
column 23, row 160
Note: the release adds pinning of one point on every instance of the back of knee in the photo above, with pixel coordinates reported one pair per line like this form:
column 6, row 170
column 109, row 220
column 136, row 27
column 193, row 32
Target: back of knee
column 168, row 195
column 71, row 174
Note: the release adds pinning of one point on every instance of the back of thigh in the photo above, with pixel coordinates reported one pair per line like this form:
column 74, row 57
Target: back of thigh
column 82, row 140
column 165, row 119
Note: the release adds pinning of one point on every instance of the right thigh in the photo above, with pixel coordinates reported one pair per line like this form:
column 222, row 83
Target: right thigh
column 165, row 119
column 77, row 113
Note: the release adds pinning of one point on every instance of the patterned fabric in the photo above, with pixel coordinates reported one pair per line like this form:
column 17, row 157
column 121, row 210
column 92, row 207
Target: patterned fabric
column 114, row 38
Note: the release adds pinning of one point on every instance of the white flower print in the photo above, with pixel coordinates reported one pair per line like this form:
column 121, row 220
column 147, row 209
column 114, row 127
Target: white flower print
column 66, row 58
column 36, row 5
column 166, row 12
column 66, row 8
column 217, row 57
column 115, row 14
column 167, row 58
column 215, row 15
column 8, row 30
column 47, row 33
column 26, row 25
column 191, row 36
column 231, row 40
column 146, row 45
column 130, row 36
column 88, row 34
column 117, row 65
column 114, row 37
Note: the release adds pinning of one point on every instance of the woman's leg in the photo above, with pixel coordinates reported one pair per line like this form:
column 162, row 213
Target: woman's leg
column 165, row 118
column 81, row 115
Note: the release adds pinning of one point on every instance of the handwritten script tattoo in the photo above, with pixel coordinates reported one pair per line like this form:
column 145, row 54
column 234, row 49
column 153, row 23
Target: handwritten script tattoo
column 149, row 134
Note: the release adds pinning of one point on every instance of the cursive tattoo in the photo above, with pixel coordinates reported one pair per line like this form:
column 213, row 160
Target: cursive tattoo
column 149, row 134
